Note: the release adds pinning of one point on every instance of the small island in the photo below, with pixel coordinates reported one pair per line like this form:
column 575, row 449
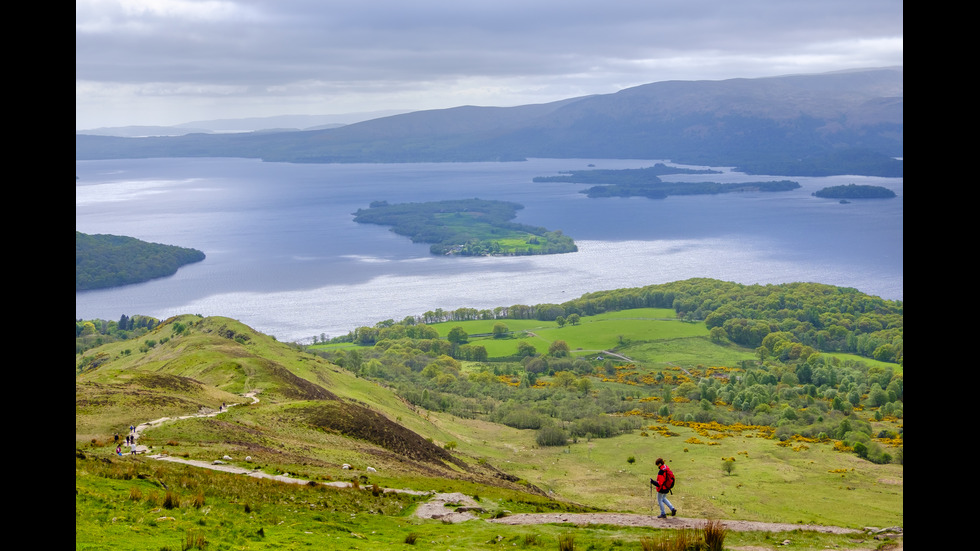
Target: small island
column 646, row 182
column 466, row 227
column 103, row 260
column 622, row 176
column 854, row 191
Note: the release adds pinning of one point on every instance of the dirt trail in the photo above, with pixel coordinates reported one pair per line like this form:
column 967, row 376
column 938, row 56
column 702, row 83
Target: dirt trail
column 457, row 507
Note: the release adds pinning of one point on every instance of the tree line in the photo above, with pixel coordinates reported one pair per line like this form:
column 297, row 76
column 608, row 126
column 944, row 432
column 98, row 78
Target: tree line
column 815, row 316
column 96, row 332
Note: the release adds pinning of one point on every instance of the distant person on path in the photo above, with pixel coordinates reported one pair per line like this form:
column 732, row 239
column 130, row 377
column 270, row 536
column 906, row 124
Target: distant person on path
column 664, row 483
column 119, row 451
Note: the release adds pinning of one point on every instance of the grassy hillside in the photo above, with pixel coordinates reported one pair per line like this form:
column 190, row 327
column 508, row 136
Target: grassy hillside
column 312, row 416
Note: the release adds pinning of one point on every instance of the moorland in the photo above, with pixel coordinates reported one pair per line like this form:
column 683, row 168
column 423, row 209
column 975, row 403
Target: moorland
column 773, row 403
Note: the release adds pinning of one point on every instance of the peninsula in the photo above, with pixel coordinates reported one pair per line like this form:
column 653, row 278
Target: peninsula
column 103, row 260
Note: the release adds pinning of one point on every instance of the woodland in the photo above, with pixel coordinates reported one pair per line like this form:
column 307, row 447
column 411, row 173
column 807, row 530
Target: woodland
column 467, row 227
column 812, row 353
column 855, row 191
column 103, row 260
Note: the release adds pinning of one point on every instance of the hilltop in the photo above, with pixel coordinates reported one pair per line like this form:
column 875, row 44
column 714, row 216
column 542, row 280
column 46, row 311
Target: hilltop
column 194, row 364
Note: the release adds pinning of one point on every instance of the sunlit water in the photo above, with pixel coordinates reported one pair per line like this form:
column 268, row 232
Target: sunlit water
column 285, row 257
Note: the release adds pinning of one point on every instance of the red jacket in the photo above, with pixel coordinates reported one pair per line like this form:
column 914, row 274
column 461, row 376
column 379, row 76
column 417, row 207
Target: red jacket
column 662, row 478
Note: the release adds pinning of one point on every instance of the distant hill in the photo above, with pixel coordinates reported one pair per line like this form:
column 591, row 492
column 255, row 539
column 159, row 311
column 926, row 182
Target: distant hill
column 104, row 260
column 291, row 123
column 838, row 123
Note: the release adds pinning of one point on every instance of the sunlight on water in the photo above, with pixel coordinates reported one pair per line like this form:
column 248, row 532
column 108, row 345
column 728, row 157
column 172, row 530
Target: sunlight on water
column 285, row 257
column 337, row 309
column 86, row 195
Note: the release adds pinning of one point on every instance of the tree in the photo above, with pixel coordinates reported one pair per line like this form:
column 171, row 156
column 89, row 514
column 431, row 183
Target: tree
column 525, row 348
column 574, row 319
column 560, row 320
column 499, row 330
column 564, row 379
column 558, row 349
column 536, row 365
column 457, row 335
column 550, row 435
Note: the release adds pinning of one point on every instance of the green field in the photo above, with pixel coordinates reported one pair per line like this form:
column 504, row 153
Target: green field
column 646, row 371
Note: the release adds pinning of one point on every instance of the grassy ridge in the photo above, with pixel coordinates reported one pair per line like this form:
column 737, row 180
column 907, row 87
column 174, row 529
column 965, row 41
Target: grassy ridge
column 303, row 425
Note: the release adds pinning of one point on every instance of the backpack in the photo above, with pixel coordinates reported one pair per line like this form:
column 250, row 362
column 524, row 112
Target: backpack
column 668, row 480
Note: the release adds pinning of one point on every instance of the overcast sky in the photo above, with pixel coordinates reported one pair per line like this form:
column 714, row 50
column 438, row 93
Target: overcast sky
column 165, row 62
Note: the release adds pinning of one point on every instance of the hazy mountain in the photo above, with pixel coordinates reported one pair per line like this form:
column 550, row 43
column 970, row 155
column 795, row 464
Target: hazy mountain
column 851, row 117
column 294, row 122
column 282, row 123
column 141, row 131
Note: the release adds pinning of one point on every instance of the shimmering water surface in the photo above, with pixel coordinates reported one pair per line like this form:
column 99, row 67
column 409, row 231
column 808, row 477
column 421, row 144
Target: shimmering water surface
column 285, row 257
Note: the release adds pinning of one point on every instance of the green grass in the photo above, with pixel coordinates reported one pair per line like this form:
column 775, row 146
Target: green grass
column 766, row 484
column 122, row 504
column 619, row 331
column 804, row 482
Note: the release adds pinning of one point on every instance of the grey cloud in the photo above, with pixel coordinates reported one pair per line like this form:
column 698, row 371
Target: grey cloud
column 270, row 45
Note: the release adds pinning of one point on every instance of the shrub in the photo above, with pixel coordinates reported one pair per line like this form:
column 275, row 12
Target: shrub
column 171, row 501
column 714, row 535
column 194, row 541
column 551, row 436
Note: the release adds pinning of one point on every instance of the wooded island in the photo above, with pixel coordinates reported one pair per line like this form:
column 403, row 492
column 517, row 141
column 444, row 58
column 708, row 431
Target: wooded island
column 467, row 227
column 854, row 191
column 646, row 182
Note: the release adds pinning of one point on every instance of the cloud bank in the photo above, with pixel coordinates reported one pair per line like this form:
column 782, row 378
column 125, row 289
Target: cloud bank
column 167, row 62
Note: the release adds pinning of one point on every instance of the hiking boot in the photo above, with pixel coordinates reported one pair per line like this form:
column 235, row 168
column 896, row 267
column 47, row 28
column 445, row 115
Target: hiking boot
column 661, row 515
column 673, row 512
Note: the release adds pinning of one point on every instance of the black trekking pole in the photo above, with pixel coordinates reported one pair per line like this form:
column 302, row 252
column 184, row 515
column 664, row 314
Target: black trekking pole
column 652, row 504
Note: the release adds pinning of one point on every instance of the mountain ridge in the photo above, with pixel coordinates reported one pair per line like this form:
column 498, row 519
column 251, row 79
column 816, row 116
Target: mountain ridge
column 730, row 122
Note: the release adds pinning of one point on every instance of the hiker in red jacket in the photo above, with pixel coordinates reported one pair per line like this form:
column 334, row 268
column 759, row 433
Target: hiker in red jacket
column 664, row 483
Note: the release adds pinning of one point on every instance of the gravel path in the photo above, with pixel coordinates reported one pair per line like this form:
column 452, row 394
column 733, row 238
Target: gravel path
column 457, row 507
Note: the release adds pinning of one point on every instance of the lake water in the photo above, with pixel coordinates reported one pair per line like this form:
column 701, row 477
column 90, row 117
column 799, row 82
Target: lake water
column 285, row 257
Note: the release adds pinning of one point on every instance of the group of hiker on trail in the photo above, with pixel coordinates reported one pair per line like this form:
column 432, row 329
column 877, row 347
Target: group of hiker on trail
column 664, row 484
column 130, row 441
